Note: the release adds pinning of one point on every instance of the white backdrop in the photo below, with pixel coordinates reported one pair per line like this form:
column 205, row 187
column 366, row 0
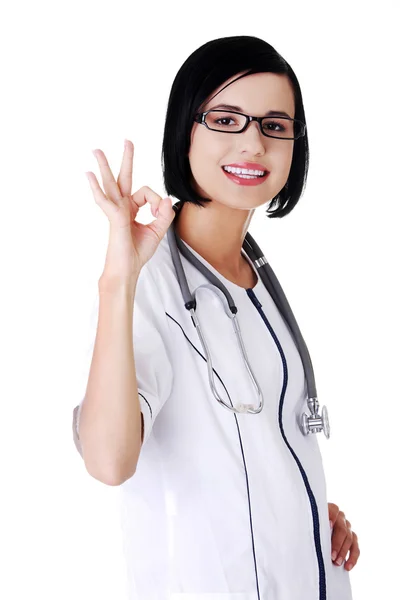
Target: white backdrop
column 82, row 75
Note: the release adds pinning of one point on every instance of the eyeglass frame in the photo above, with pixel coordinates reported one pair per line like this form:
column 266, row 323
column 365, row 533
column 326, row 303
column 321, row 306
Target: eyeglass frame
column 200, row 118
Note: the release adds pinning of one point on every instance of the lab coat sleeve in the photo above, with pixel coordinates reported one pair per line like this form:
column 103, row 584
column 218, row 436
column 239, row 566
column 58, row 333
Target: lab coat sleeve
column 151, row 349
column 154, row 374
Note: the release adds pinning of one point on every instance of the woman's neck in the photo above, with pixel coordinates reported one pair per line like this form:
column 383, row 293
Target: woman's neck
column 216, row 232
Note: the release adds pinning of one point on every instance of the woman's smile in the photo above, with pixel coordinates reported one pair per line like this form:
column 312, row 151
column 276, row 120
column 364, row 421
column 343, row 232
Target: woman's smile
column 245, row 179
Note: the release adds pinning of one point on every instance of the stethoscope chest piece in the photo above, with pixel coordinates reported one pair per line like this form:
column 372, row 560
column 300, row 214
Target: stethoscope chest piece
column 315, row 423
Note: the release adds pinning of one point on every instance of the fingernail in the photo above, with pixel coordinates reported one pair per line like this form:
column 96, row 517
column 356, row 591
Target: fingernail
column 334, row 555
column 330, row 523
column 339, row 561
column 349, row 566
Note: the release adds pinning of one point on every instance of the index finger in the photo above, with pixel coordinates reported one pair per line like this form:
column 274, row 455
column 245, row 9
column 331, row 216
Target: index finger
column 124, row 180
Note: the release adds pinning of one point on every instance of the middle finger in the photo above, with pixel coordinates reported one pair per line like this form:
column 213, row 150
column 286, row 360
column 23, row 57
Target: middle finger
column 124, row 180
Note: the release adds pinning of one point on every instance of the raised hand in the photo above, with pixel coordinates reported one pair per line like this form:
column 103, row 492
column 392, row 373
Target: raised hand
column 131, row 244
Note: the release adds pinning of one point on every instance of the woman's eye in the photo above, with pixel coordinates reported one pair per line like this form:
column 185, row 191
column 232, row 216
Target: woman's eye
column 274, row 126
column 219, row 121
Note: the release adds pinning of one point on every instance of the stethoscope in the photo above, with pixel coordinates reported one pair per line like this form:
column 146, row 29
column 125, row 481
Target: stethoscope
column 313, row 423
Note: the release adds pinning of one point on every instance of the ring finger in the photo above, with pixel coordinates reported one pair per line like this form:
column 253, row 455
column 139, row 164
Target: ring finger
column 111, row 187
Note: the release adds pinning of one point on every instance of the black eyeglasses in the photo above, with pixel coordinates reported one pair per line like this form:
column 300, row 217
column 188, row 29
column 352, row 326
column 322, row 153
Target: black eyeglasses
column 283, row 128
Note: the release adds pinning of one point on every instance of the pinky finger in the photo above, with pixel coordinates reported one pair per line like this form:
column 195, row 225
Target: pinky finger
column 96, row 189
column 98, row 193
column 94, row 184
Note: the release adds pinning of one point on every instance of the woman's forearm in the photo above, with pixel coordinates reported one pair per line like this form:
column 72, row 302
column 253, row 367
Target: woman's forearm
column 110, row 428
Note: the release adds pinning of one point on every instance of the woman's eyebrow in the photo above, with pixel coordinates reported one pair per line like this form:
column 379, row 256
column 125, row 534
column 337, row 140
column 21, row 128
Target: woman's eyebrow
column 280, row 113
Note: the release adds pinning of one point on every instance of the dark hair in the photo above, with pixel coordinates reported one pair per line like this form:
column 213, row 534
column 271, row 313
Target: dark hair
column 204, row 71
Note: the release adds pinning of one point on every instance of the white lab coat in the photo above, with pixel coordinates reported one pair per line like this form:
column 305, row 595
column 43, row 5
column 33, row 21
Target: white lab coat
column 220, row 508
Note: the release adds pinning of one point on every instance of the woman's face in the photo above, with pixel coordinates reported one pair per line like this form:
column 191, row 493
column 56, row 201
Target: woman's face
column 256, row 95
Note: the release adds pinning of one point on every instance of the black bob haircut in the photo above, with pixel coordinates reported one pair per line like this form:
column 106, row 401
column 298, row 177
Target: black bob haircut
column 206, row 69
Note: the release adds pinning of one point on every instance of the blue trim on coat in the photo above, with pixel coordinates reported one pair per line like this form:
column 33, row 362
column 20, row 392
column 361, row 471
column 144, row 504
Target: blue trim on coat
column 313, row 503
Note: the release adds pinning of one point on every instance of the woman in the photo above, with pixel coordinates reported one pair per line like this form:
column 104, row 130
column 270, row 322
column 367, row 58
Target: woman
column 215, row 504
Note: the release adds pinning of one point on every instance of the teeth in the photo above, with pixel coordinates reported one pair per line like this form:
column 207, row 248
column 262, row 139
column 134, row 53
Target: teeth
column 244, row 171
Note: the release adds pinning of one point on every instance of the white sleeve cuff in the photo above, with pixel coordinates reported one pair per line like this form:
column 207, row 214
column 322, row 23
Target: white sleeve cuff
column 147, row 416
column 75, row 427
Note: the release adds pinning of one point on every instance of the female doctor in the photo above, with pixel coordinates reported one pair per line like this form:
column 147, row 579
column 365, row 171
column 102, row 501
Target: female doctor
column 216, row 504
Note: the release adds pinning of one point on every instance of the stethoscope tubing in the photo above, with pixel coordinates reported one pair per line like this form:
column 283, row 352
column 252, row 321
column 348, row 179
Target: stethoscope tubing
column 273, row 286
